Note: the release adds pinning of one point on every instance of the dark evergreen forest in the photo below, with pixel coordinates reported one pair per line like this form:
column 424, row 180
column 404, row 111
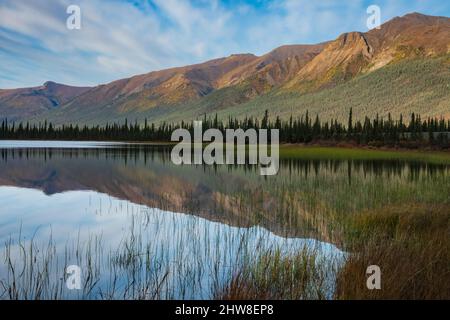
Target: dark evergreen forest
column 379, row 131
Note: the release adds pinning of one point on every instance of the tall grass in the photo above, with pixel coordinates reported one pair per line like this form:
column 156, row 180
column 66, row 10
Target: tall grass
column 410, row 244
column 409, row 270
column 303, row 275
column 181, row 260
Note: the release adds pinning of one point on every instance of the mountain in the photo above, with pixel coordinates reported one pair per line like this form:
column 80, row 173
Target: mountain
column 274, row 68
column 25, row 103
column 255, row 75
column 412, row 36
column 288, row 80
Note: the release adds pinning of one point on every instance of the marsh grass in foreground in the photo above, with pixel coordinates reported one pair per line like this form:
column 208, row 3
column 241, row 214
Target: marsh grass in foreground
column 156, row 259
column 301, row 276
column 410, row 270
column 410, row 244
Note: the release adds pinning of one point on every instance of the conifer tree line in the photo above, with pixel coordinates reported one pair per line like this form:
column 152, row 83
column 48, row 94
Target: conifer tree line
column 303, row 129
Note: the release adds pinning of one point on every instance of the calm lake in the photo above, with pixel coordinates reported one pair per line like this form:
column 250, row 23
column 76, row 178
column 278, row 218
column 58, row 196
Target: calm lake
column 141, row 227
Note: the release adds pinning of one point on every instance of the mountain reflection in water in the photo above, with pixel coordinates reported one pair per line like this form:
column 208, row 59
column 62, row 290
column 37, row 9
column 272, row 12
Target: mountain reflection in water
column 205, row 216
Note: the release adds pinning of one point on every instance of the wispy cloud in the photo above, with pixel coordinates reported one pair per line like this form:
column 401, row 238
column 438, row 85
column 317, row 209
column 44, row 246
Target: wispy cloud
column 121, row 38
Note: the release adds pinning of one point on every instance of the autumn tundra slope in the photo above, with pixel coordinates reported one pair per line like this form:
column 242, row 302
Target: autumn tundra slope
column 402, row 67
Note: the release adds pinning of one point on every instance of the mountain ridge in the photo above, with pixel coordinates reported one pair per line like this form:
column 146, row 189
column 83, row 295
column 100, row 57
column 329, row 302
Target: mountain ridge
column 31, row 101
column 238, row 78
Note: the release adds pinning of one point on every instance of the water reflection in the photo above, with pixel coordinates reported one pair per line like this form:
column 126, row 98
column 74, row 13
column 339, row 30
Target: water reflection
column 235, row 195
column 194, row 222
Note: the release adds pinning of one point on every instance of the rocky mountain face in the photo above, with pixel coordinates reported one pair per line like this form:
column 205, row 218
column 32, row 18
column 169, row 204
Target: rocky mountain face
column 414, row 35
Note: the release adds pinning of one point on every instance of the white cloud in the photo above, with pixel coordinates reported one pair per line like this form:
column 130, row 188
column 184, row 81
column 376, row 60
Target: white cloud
column 116, row 40
column 119, row 39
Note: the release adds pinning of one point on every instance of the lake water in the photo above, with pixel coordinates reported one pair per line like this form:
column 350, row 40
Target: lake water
column 141, row 227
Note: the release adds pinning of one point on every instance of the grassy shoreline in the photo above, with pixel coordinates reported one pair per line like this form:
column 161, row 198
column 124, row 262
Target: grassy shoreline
column 362, row 153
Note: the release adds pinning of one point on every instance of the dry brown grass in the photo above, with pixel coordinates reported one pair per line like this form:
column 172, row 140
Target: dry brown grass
column 414, row 271
column 410, row 243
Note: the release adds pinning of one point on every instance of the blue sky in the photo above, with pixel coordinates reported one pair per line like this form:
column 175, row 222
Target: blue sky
column 121, row 38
